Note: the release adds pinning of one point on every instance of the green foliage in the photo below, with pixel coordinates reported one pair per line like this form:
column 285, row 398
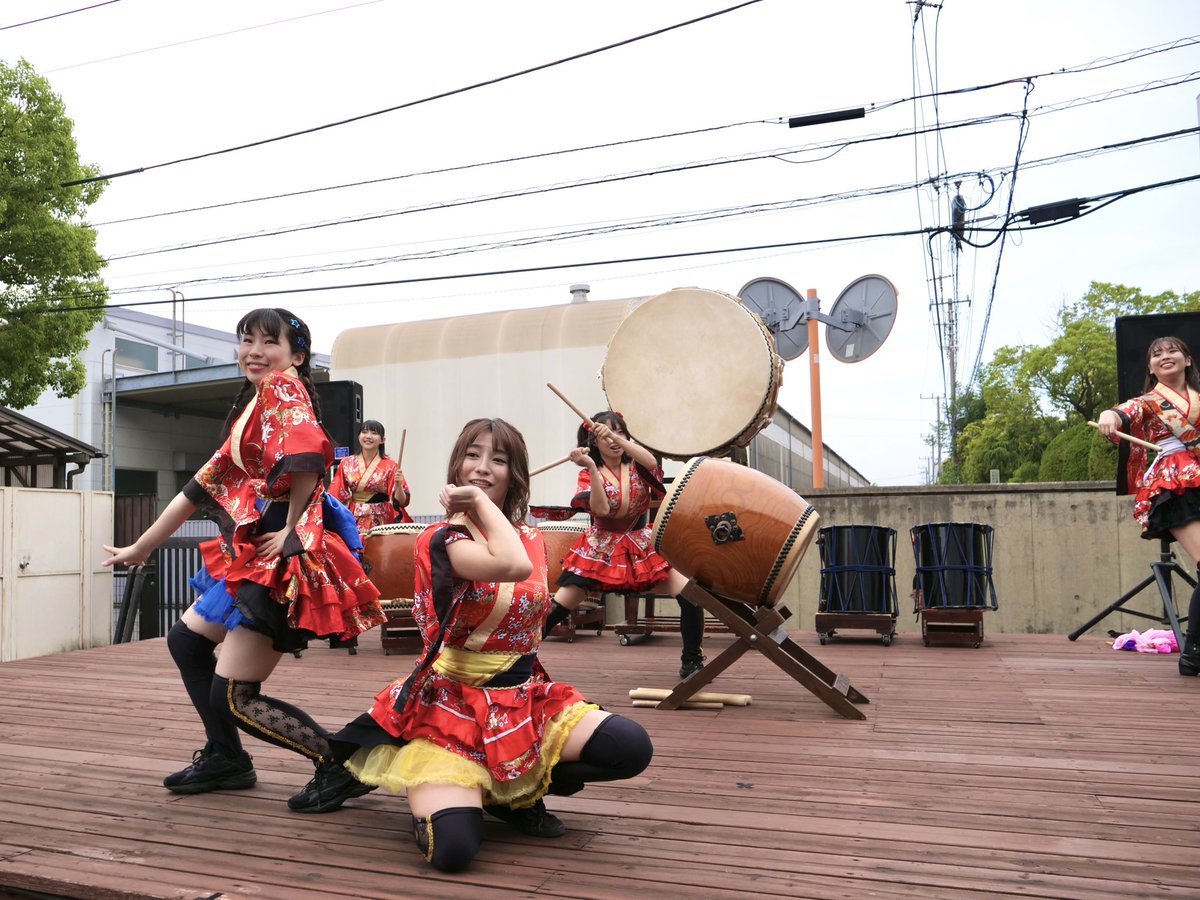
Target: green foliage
column 48, row 259
column 1067, row 456
column 1036, row 400
column 1102, row 458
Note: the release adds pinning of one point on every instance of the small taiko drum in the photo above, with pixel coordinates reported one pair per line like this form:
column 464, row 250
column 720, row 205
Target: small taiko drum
column 692, row 372
column 559, row 537
column 734, row 530
column 390, row 551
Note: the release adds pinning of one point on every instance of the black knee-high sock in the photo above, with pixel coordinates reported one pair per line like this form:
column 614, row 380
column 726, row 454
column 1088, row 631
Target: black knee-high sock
column 193, row 655
column 1191, row 643
column 558, row 614
column 618, row 748
column 450, row 837
column 691, row 628
column 271, row 720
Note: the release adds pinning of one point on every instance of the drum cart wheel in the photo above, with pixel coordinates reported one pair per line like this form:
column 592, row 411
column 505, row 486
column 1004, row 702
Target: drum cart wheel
column 624, row 640
column 824, row 636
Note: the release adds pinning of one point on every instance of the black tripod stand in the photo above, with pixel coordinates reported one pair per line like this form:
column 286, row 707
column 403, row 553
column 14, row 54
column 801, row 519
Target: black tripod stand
column 1161, row 574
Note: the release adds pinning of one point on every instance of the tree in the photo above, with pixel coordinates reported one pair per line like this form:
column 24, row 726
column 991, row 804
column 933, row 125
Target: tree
column 51, row 294
column 1073, row 376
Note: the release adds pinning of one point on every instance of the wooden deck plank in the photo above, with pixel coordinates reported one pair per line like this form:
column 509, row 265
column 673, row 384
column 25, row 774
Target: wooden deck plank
column 1030, row 767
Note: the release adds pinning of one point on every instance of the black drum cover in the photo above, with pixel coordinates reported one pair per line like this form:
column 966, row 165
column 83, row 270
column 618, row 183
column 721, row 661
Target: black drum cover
column 954, row 565
column 858, row 573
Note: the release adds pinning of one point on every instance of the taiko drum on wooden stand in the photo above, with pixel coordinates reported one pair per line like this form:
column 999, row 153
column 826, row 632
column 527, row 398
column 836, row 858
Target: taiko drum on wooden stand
column 739, row 536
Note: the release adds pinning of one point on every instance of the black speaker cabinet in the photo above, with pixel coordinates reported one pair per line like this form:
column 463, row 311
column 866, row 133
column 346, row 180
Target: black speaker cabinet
column 341, row 414
column 1134, row 334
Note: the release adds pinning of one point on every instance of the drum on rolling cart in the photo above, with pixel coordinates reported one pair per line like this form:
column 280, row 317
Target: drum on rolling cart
column 858, row 580
column 693, row 372
column 953, row 582
column 389, row 551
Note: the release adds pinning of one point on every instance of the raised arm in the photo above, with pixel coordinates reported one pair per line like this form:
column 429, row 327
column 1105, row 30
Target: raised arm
column 503, row 557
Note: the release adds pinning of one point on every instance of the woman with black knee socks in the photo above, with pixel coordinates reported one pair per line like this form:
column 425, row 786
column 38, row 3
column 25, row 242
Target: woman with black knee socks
column 618, row 481
column 277, row 576
column 1167, row 499
column 479, row 725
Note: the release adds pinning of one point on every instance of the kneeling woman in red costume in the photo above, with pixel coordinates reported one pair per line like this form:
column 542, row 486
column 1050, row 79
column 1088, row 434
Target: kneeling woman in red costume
column 479, row 724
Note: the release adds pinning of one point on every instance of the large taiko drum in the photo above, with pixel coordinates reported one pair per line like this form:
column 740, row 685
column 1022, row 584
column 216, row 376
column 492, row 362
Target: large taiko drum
column 390, row 551
column 559, row 537
column 692, row 372
column 734, row 530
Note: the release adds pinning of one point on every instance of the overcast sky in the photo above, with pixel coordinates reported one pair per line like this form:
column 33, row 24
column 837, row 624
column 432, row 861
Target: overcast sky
column 150, row 84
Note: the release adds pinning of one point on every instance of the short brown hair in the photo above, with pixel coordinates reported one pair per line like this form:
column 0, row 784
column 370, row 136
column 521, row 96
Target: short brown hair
column 506, row 439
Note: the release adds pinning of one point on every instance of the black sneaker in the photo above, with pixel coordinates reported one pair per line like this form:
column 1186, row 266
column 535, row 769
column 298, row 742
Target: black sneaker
column 1189, row 663
column 535, row 821
column 330, row 787
column 213, row 770
column 690, row 666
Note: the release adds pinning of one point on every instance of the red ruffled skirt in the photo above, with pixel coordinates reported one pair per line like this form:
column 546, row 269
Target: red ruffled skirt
column 325, row 589
column 618, row 560
column 500, row 729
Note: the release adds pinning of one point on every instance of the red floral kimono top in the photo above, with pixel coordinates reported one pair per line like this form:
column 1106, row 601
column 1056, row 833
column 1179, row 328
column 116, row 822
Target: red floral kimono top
column 367, row 492
column 316, row 576
column 1160, row 416
column 617, row 551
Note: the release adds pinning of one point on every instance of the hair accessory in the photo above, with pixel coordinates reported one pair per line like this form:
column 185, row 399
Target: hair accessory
column 300, row 342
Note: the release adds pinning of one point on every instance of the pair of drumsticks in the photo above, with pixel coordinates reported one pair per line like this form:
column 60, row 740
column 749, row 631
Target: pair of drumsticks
column 587, row 423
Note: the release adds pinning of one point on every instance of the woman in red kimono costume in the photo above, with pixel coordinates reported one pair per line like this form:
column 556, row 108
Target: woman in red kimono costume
column 479, row 724
column 274, row 578
column 617, row 552
column 1167, row 502
column 371, row 483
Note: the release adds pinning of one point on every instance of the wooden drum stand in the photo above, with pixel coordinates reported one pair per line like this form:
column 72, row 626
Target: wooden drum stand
column 762, row 630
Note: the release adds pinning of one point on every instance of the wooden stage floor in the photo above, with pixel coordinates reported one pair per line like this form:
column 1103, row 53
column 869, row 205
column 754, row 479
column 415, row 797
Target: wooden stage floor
column 1031, row 767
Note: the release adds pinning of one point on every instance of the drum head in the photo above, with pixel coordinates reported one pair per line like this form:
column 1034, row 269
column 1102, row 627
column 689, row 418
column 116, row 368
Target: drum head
column 693, row 372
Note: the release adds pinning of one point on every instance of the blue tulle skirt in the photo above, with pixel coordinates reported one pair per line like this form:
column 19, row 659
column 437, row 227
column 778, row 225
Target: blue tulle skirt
column 214, row 603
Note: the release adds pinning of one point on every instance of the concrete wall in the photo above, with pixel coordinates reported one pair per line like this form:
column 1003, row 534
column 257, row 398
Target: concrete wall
column 1062, row 552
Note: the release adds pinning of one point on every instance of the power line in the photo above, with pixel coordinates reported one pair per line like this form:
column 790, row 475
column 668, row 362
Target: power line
column 668, row 220
column 208, row 37
column 58, row 15
column 1109, row 198
column 441, row 96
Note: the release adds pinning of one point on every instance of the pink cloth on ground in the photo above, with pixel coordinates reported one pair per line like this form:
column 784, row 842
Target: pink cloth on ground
column 1156, row 640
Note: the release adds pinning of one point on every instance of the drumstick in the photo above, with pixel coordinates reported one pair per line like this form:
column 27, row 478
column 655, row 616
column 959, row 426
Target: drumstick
column 1132, row 439
column 557, row 462
column 687, row 704
column 657, row 694
column 587, row 422
column 400, row 455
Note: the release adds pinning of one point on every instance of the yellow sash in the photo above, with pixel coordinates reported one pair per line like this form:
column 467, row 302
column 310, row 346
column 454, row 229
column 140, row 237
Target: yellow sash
column 472, row 667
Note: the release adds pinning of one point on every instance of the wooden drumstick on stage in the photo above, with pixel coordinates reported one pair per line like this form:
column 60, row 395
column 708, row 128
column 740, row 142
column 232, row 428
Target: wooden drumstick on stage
column 656, row 694
column 557, row 462
column 400, row 455
column 587, row 421
column 686, row 704
column 1133, row 440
